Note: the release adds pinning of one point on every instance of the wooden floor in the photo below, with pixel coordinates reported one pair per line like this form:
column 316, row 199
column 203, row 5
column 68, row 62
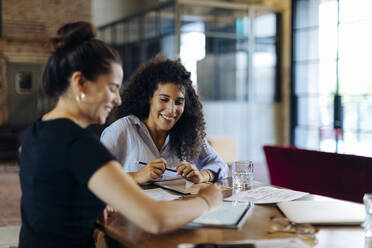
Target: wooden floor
column 10, row 194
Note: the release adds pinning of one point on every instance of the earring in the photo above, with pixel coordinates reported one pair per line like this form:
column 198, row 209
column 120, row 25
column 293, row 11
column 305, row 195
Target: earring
column 82, row 97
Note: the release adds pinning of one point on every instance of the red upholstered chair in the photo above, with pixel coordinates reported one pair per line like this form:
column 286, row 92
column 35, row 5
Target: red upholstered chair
column 340, row 176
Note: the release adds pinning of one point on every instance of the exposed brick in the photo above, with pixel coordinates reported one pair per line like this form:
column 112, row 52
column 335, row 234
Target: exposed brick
column 27, row 26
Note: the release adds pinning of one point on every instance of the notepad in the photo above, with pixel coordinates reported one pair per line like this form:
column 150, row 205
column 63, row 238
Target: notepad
column 324, row 212
column 229, row 215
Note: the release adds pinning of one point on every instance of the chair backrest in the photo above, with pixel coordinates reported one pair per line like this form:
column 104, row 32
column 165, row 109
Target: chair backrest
column 340, row 176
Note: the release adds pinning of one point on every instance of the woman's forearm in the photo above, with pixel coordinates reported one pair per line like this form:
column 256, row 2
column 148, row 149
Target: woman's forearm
column 134, row 176
column 175, row 214
column 120, row 191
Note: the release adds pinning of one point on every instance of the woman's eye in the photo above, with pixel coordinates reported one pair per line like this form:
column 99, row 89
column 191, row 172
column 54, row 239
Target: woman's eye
column 179, row 102
column 164, row 99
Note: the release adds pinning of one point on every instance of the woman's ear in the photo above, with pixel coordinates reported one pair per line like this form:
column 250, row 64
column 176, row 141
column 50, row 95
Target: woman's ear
column 78, row 82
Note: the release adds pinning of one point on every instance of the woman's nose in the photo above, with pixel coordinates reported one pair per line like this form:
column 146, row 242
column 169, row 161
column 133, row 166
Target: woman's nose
column 171, row 107
column 117, row 99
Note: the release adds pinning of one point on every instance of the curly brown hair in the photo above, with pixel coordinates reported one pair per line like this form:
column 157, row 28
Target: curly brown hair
column 187, row 135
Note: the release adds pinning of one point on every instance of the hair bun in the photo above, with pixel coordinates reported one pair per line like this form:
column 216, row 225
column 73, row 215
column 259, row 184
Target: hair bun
column 73, row 34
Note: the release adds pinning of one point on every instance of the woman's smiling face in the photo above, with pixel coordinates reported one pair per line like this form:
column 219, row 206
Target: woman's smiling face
column 166, row 107
column 102, row 95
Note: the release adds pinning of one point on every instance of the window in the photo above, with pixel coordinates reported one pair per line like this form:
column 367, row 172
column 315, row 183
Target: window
column 332, row 88
column 24, row 82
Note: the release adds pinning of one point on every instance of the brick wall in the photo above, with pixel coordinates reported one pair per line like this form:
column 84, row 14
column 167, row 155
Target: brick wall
column 27, row 25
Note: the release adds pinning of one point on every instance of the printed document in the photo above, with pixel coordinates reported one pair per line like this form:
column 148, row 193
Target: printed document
column 266, row 195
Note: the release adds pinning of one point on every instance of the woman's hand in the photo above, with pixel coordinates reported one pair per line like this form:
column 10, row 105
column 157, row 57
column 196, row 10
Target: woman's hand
column 153, row 170
column 212, row 195
column 191, row 172
column 107, row 211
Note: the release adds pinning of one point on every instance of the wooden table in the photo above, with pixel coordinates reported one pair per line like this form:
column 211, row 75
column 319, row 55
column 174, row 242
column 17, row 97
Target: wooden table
column 256, row 227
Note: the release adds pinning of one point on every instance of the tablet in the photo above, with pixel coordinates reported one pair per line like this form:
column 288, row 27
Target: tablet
column 181, row 186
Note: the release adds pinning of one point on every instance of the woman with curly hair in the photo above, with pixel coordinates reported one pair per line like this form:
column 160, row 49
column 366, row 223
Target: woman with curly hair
column 162, row 126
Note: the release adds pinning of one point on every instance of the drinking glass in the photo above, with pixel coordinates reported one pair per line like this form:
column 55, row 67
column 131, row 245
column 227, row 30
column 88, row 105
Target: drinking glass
column 367, row 199
column 242, row 173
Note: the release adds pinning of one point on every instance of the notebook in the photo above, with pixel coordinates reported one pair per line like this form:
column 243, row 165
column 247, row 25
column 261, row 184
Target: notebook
column 229, row 215
column 334, row 212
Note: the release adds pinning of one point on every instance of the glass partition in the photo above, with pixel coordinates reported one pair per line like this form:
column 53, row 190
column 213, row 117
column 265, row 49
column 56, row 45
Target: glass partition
column 231, row 51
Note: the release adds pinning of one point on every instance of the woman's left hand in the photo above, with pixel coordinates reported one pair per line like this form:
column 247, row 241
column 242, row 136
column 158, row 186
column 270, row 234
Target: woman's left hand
column 191, row 172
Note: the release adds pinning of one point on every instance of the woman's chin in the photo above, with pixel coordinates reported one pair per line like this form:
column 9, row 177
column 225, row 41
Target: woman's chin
column 101, row 120
column 167, row 128
column 166, row 124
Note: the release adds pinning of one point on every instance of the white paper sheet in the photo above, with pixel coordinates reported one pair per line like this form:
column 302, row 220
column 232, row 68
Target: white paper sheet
column 161, row 194
column 265, row 195
column 167, row 175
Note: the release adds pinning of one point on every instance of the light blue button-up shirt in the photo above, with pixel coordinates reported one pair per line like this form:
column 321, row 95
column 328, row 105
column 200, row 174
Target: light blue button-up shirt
column 130, row 142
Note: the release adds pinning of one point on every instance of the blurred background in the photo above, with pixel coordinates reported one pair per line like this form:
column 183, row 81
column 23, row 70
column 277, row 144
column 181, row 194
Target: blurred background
column 289, row 72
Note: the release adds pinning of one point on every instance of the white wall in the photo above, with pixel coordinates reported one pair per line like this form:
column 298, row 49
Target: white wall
column 252, row 125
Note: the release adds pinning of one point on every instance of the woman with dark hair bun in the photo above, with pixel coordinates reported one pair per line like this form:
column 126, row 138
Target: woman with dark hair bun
column 162, row 126
column 67, row 176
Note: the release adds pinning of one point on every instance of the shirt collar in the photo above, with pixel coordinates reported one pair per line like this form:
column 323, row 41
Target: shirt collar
column 140, row 125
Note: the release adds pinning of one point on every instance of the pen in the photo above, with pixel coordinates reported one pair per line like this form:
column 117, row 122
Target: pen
column 143, row 163
column 215, row 179
column 170, row 169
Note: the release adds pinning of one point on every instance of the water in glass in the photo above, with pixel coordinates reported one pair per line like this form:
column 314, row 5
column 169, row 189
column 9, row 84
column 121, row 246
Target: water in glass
column 242, row 173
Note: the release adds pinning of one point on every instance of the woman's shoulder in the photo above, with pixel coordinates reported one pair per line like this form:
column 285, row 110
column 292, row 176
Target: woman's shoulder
column 62, row 129
column 60, row 126
column 125, row 121
column 123, row 124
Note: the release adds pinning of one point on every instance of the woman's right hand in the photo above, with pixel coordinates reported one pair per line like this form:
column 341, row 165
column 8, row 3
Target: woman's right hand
column 213, row 194
column 153, row 170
